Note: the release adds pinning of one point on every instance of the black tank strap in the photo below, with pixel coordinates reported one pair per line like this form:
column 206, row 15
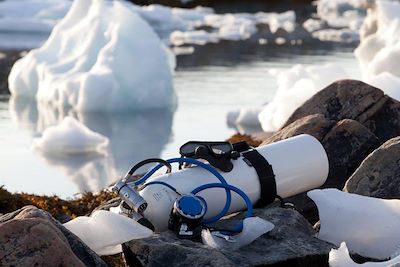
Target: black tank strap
column 265, row 174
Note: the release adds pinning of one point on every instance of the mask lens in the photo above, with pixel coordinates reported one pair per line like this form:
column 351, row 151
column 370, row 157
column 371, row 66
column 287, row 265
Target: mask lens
column 220, row 149
column 188, row 149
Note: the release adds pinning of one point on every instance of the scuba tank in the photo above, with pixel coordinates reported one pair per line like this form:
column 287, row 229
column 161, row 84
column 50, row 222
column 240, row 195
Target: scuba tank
column 280, row 169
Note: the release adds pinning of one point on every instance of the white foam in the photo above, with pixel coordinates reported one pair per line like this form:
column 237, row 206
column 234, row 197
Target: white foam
column 104, row 231
column 70, row 137
column 295, row 86
column 369, row 226
column 101, row 56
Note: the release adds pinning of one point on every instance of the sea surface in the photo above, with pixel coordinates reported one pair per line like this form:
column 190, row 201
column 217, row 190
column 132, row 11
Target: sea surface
column 214, row 80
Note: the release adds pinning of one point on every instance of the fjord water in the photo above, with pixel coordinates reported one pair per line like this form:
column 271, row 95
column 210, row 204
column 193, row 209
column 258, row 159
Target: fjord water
column 216, row 79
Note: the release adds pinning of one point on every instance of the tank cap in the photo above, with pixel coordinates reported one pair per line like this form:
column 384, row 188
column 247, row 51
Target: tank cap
column 190, row 206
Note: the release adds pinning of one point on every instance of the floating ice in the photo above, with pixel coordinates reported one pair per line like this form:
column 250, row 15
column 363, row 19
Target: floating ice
column 244, row 116
column 101, row 56
column 312, row 25
column 295, row 86
column 70, row 137
column 369, row 226
column 285, row 20
column 334, row 35
column 253, row 228
column 343, row 13
column 31, row 15
column 104, row 231
column 200, row 37
column 379, row 50
column 340, row 258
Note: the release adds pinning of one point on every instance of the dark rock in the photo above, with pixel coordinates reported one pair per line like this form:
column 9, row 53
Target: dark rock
column 31, row 237
column 316, row 125
column 290, row 243
column 351, row 99
column 346, row 144
column 379, row 174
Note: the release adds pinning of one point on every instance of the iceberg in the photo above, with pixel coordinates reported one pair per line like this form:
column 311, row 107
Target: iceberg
column 369, row 226
column 70, row 137
column 101, row 57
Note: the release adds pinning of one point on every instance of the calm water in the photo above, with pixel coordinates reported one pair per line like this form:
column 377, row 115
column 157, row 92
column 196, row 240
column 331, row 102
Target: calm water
column 209, row 83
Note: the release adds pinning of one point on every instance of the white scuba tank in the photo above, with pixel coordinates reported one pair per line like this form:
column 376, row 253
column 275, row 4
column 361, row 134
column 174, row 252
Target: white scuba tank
column 299, row 163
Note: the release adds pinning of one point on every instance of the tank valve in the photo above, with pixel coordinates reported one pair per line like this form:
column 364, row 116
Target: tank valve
column 130, row 196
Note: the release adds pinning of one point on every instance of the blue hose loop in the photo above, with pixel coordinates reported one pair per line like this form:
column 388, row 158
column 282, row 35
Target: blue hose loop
column 204, row 166
column 230, row 188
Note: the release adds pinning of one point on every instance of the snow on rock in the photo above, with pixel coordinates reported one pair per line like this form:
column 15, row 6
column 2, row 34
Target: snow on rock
column 70, row 137
column 104, row 231
column 31, row 16
column 340, row 258
column 100, row 57
column 369, row 226
column 295, row 86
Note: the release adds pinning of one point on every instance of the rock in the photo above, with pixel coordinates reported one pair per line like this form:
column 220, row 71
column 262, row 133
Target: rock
column 379, row 174
column 351, row 99
column 291, row 242
column 316, row 125
column 31, row 237
column 346, row 144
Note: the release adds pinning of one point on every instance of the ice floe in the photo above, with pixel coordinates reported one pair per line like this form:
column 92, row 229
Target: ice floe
column 379, row 51
column 70, row 137
column 340, row 258
column 94, row 60
column 295, row 86
column 104, row 231
column 369, row 226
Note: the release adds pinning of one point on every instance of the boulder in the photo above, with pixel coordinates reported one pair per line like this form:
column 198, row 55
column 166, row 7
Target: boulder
column 31, row 237
column 346, row 144
column 379, row 174
column 290, row 243
column 316, row 125
column 356, row 100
